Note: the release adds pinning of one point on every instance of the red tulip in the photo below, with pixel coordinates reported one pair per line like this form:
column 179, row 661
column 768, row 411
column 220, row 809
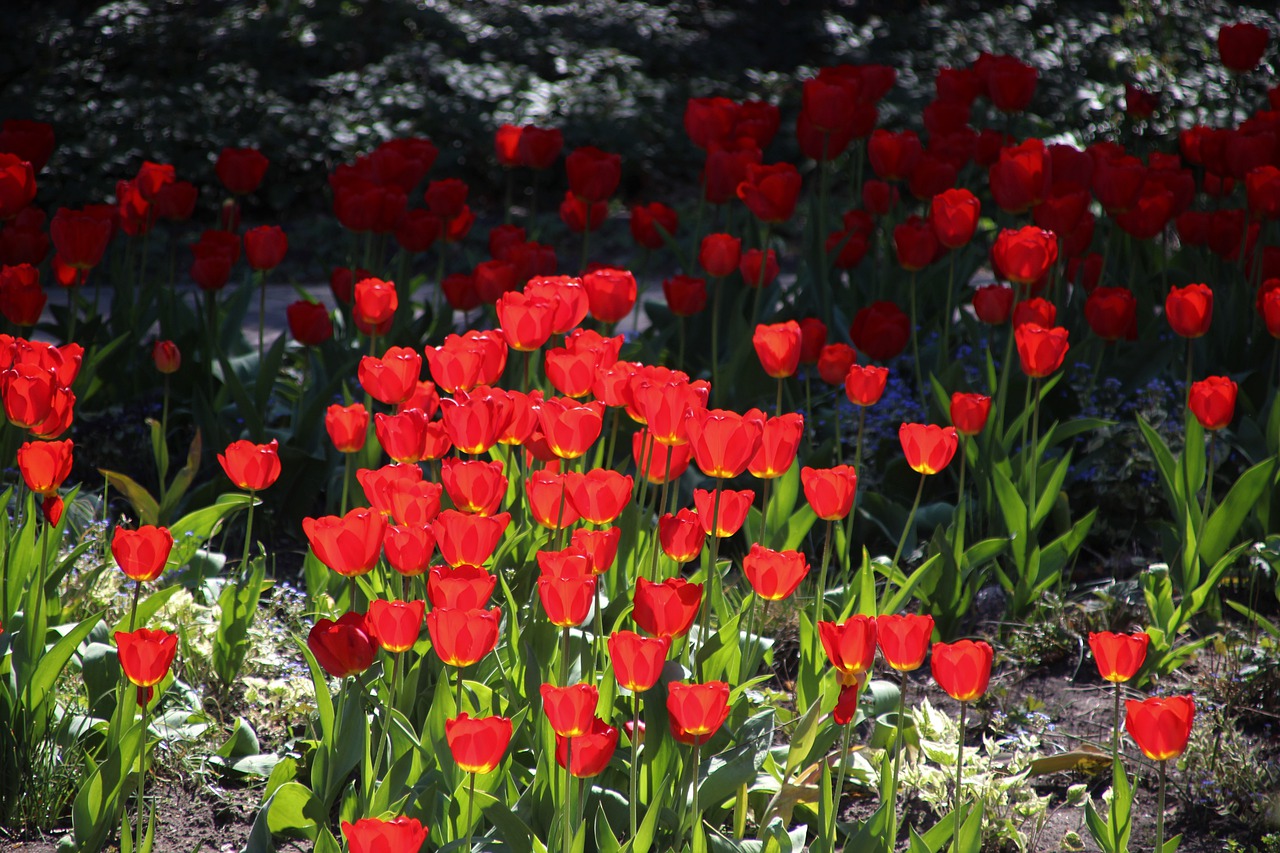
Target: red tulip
column 1010, row 83
column 141, row 554
column 778, row 348
column 1021, row 176
column 1213, row 401
column 345, row 647
column 850, row 646
column 45, row 464
column 593, row 174
column 375, row 303
column 893, row 156
column 1189, row 310
column 1040, row 350
column 719, row 254
column 403, row 436
column 1025, row 255
column 567, row 600
column 600, row 495
column 686, row 295
column 462, row 588
column 548, row 498
column 666, row 609
column 830, row 491
column 779, row 443
column 834, row 362
column 962, row 668
column 681, row 535
column 526, row 320
column 637, row 660
column 395, row 624
column 347, row 426
column 993, row 304
column 374, row 835
column 474, row 487
column 1240, row 46
column 570, row 709
column 570, row 427
column 770, row 192
column 915, row 244
column 478, row 744
column 724, row 442
column 774, row 575
column 928, row 448
column 904, row 640
column 349, row 544
column 652, row 224
column 241, row 169
column 722, row 512
column 657, row 462
column 17, row 185
column 881, row 330
column 309, row 322
column 969, row 412
column 252, row 467
column 611, row 293
column 600, row 545
column 591, row 750
column 469, row 539
column 1160, row 727
column 146, row 655
column 539, row 146
column 463, row 637
column 265, row 247
column 697, row 711
column 954, row 217
column 1112, row 313
column 409, row 547
column 1118, row 656
column 758, row 269
column 80, row 237
column 864, row 385
column 380, row 484
column 475, row 420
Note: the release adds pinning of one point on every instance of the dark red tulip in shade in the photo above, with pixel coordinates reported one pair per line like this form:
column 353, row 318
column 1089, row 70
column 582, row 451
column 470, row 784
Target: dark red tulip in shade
column 1213, row 401
column 17, row 185
column 591, row 750
column 309, row 322
column 462, row 588
column 45, row 464
column 252, row 467
column 666, row 609
column 697, row 711
column 953, row 214
column 348, row 426
column 850, row 646
column 1118, row 656
column 345, row 647
column 1024, row 255
column 993, row 303
column 637, row 660
column 478, row 744
column 652, row 223
column 1160, row 727
column 758, row 269
column 146, row 655
column 395, row 624
column 1112, row 313
column 539, row 146
column 928, row 447
column 374, row 835
column 881, row 330
column 1042, row 312
column 962, row 668
column 904, row 639
column 915, row 244
column 1241, row 46
column 770, row 192
column 834, row 362
column 166, row 356
column 969, row 412
column 1041, row 351
column 348, row 544
column 774, row 575
column 141, row 554
column 830, row 491
column 241, row 169
column 778, row 348
column 681, row 535
column 813, row 337
column 579, row 216
column 80, row 237
column 570, row 709
column 864, row 384
column 463, row 637
column 593, row 174
column 1189, row 310
column 719, row 254
column 686, row 295
column 265, row 247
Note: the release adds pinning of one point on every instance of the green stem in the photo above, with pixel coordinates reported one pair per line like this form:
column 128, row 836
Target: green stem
column 248, row 538
column 944, row 355
column 471, row 802
column 777, row 403
column 1115, row 726
column 697, row 815
column 897, row 756
column 717, row 285
column 568, row 789
column 955, row 837
column 142, row 778
column 262, row 310
column 631, row 771
column 346, row 481
column 1164, row 768
column 820, row 593
column 457, row 694
column 902, row 542
column 844, row 760
column 713, row 574
column 564, row 658
column 915, row 344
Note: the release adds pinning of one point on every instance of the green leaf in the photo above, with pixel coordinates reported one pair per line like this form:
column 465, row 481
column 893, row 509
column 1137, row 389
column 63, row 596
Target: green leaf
column 52, row 662
column 1164, row 464
column 147, row 608
column 139, row 498
column 295, row 811
column 194, row 529
column 243, row 741
column 1226, row 519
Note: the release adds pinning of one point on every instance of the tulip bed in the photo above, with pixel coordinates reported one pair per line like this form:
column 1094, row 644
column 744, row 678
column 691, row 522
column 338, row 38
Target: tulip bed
column 735, row 545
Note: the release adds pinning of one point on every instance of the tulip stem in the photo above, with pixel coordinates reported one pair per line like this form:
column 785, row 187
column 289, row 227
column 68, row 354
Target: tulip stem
column 680, row 352
column 944, row 354
column 1208, row 491
column 662, row 505
column 613, row 435
column 631, row 771
column 717, row 286
column 142, row 772
column 457, row 694
column 820, row 593
column 697, row 815
column 902, row 541
column 564, row 658
column 346, row 481
column 915, row 344
column 1032, row 497
column 898, row 737
column 1159, row 848
column 857, row 450
column 777, row 403
column 955, row 836
column 712, row 572
column 133, row 606
column 843, row 758
column 248, row 538
column 262, row 310
column 764, row 513
column 568, row 789
column 1115, row 726
column 471, row 804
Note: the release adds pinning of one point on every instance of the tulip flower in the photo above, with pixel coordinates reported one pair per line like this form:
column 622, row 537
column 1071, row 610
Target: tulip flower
column 461, row 638
column 395, row 625
column 309, row 322
column 141, row 554
column 478, row 744
column 904, row 640
column 1112, row 313
column 600, row 545
column 928, row 448
column 469, row 539
column 778, row 348
column 548, row 500
column 392, row 378
column 830, row 491
column 697, row 711
column 681, row 535
column 570, row 709
column 611, row 293
column 969, row 412
column 1025, row 255
column 962, row 668
column 686, row 295
column 461, row 588
column 834, row 362
column 724, row 442
column 1213, row 402
column 166, row 356
column 779, row 442
column 474, row 487
column 409, row 548
column 241, row 169
column 252, row 467
column 265, row 247
column 770, row 192
column 146, row 655
column 953, row 215
column 850, row 646
column 774, row 575
column 864, row 385
column 993, row 303
column 600, row 495
column 349, row 544
column 570, row 427
column 375, row 303
column 1161, row 728
column 666, row 609
column 637, row 660
column 591, row 750
column 374, row 835
column 651, row 224
column 722, row 512
column 593, row 174
column 567, row 600
column 1041, row 350
column 881, row 330
column 1189, row 310
column 348, row 426
column 719, row 254
column 345, row 647
column 758, row 269
column 45, row 464
column 1241, row 46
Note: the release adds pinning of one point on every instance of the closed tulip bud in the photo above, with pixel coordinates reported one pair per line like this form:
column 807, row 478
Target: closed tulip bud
column 697, row 711
column 347, row 426
column 309, row 322
column 374, row 835
column 778, row 348
column 686, row 295
column 600, row 545
column 770, row 192
column 758, row 269
column 830, row 491
column 722, row 512
column 567, row 600
column 463, row 637
column 953, row 216
column 666, row 609
column 779, row 443
column 265, row 247
column 719, row 254
column 850, row 646
column 1189, row 310
column 1213, row 401
column 904, row 640
column 474, row 487
column 993, row 303
column 461, row 588
column 570, row 709
column 469, row 539
column 45, row 464
column 600, row 495
column 681, row 535
column 591, row 750
column 834, row 362
column 1025, row 255
column 349, row 545
column 969, row 412
column 409, row 547
column 166, row 356
column 881, row 330
column 1041, row 351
